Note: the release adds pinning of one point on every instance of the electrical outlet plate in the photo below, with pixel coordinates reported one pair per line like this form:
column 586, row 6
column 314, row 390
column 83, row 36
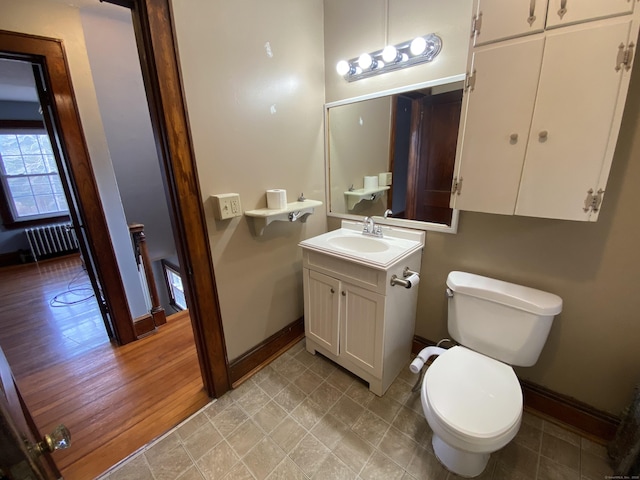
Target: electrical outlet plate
column 227, row 205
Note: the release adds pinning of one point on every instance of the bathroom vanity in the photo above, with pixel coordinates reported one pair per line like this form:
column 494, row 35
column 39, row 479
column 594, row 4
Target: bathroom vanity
column 360, row 299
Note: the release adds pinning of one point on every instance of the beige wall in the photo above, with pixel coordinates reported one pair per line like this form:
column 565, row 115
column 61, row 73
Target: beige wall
column 256, row 116
column 353, row 27
column 359, row 136
column 592, row 352
column 60, row 21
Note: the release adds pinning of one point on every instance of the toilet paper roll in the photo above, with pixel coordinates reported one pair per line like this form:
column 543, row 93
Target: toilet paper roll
column 413, row 279
column 276, row 199
column 370, row 181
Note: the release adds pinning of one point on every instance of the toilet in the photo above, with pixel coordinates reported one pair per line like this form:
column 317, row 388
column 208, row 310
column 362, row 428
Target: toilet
column 470, row 394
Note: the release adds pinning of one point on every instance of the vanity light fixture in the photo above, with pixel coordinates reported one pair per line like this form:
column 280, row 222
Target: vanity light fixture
column 392, row 57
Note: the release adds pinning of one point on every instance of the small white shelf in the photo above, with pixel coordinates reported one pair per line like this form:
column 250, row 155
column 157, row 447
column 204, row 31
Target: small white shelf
column 262, row 217
column 356, row 196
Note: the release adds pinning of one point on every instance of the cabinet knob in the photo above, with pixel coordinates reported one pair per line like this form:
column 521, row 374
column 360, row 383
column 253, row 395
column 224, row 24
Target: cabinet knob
column 344, row 294
column 332, row 290
column 513, row 138
column 543, row 135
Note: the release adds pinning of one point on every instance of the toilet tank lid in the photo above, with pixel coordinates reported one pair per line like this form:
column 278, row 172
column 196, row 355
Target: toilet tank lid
column 509, row 294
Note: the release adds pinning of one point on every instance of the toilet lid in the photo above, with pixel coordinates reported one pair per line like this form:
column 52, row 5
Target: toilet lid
column 473, row 394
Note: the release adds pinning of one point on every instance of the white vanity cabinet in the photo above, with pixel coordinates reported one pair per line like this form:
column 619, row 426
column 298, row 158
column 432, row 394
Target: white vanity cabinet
column 566, row 12
column 355, row 317
column 540, row 121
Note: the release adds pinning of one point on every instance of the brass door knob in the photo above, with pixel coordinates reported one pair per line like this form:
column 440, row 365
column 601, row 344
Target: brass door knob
column 59, row 439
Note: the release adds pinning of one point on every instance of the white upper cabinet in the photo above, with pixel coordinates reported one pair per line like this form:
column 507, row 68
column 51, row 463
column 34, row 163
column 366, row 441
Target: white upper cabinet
column 541, row 117
column 499, row 19
column 571, row 132
column 565, row 12
column 497, row 112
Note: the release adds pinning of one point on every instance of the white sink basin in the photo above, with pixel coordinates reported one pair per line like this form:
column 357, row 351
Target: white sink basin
column 359, row 244
column 349, row 243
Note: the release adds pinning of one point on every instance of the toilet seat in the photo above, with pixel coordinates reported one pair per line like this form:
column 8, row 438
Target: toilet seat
column 474, row 398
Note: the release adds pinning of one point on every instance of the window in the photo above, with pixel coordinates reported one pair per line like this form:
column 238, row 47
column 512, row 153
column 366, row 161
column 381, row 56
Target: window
column 174, row 285
column 30, row 181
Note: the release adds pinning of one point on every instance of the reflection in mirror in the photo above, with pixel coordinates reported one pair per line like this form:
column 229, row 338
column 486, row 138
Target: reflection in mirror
column 395, row 151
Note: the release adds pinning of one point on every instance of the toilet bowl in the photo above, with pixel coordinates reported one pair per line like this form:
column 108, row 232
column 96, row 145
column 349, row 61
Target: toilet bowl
column 473, row 405
column 470, row 394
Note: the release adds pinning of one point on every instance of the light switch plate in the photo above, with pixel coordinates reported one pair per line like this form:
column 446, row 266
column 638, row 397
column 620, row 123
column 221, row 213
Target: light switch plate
column 227, row 205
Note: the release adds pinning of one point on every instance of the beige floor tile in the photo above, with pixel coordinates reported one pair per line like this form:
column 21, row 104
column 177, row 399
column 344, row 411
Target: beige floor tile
column 562, row 433
column 162, row 446
column 529, row 436
column 203, row 440
column 254, row 400
column 245, row 437
column 289, row 398
column 171, row 464
column 218, row 406
column 287, row 470
column 560, row 451
column 136, row 468
column 370, row 427
column 359, row 392
column 305, row 358
column 309, row 455
column 288, row 367
column 398, row 447
column 509, row 472
column 191, row 474
column 550, row 470
column 594, row 467
column 241, row 390
column 269, row 416
column 308, row 381
column 218, row 461
column 308, row 413
column 353, row 451
column 263, row 458
column 192, row 425
column 325, row 396
column 239, row 472
column 229, row 419
column 413, row 425
column 272, row 382
column 322, row 366
column 340, row 379
column 329, row 430
column 385, row 407
column 593, row 448
column 399, row 391
column 381, row 467
column 288, row 434
column 346, row 410
column 333, row 468
column 425, row 465
column 516, row 460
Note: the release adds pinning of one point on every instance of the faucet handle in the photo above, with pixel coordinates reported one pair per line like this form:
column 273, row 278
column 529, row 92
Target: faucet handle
column 387, row 213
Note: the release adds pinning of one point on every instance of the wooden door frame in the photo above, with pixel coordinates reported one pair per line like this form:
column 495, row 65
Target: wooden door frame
column 153, row 27
column 50, row 54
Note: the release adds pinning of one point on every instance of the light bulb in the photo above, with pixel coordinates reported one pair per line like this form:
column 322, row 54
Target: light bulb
column 343, row 67
column 365, row 61
column 390, row 54
column 418, row 46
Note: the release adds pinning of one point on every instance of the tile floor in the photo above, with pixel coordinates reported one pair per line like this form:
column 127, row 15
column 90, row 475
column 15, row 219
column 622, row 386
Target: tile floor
column 303, row 417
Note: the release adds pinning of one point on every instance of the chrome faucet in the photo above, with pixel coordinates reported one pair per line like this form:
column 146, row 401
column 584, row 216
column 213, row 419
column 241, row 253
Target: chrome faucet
column 370, row 227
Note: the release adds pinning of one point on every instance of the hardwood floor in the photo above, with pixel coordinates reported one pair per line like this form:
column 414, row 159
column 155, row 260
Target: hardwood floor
column 113, row 399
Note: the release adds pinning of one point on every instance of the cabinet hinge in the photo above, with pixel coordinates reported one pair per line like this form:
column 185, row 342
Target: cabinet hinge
column 625, row 56
column 593, row 200
column 456, row 188
column 476, row 24
column 470, row 81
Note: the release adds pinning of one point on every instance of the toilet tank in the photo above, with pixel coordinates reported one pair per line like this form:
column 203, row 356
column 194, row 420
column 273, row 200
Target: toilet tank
column 502, row 320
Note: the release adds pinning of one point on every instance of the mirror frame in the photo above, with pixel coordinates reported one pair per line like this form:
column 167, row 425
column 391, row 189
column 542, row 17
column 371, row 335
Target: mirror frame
column 397, row 222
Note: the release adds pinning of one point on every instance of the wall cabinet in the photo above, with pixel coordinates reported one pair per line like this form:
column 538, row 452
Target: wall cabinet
column 496, row 20
column 540, row 120
column 357, row 319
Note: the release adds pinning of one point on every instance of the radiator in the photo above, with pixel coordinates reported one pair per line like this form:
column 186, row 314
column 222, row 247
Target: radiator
column 51, row 240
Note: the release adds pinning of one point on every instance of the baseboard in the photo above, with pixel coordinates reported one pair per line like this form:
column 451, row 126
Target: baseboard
column 261, row 355
column 556, row 407
column 143, row 325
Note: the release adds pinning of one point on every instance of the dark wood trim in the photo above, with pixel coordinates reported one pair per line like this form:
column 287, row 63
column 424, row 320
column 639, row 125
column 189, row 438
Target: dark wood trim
column 144, row 325
column 50, row 54
column 584, row 419
column 415, row 142
column 121, row 3
column 262, row 354
column 392, row 147
column 153, row 28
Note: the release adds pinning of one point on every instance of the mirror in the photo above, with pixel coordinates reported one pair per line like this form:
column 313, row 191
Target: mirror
column 395, row 150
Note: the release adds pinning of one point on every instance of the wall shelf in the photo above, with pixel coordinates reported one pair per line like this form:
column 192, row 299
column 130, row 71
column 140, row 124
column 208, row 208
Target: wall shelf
column 262, row 217
column 356, row 196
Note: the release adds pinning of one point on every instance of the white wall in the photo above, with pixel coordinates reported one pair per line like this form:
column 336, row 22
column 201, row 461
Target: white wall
column 115, row 66
column 55, row 20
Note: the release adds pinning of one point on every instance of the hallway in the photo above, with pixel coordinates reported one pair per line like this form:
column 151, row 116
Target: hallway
column 114, row 400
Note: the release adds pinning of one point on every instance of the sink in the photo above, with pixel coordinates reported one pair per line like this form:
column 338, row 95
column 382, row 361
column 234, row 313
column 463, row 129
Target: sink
column 359, row 244
column 349, row 243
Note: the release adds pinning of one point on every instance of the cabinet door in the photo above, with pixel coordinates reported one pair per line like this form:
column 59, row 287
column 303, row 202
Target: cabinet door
column 495, row 125
column 322, row 309
column 362, row 317
column 565, row 12
column 507, row 19
column 575, row 122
